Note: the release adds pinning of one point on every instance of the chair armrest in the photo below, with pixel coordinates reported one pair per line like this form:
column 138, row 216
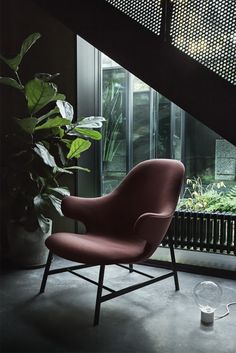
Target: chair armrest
column 82, row 209
column 90, row 211
column 152, row 226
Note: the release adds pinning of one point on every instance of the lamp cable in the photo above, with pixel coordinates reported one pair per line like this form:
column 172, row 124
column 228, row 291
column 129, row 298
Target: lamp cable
column 227, row 311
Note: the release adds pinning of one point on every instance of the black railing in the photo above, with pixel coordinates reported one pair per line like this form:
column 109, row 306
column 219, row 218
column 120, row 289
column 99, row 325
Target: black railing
column 200, row 231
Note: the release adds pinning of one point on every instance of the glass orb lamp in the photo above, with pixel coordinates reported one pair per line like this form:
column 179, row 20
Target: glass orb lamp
column 207, row 295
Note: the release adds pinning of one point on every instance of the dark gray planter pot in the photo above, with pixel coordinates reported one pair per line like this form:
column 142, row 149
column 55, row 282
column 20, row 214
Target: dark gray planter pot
column 27, row 249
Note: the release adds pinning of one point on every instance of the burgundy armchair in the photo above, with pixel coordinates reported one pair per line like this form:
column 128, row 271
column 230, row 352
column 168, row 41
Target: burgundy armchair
column 124, row 227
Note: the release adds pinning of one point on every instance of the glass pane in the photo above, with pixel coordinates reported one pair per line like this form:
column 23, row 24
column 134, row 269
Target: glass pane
column 210, row 163
column 208, row 156
column 108, row 62
column 177, row 122
column 164, row 125
column 114, row 129
column 142, row 113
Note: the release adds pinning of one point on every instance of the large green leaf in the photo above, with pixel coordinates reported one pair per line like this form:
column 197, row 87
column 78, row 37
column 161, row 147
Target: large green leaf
column 58, row 131
column 12, row 63
column 77, row 147
column 56, row 203
column 54, row 122
column 91, row 122
column 61, row 153
column 64, row 191
column 27, row 124
column 93, row 134
column 39, row 202
column 28, row 42
column 43, row 153
column 11, row 82
column 39, row 94
column 44, row 223
column 26, row 45
column 66, row 109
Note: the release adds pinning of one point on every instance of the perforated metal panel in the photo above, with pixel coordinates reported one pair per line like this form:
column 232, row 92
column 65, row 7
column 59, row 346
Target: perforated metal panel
column 146, row 12
column 203, row 29
column 206, row 31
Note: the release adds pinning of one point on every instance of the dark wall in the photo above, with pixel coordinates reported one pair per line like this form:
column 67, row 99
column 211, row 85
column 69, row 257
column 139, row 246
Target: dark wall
column 54, row 52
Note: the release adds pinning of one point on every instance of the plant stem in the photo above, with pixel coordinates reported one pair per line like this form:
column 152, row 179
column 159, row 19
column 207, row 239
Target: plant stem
column 18, row 78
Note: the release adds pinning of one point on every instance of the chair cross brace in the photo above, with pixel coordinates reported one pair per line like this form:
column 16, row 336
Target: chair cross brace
column 70, row 268
column 134, row 287
column 90, row 281
column 113, row 293
column 102, row 298
column 116, row 293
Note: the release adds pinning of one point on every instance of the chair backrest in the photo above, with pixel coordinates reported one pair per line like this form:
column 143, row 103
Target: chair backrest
column 151, row 186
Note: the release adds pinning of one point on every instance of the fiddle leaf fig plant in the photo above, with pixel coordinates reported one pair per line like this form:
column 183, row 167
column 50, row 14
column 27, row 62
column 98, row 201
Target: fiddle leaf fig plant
column 43, row 145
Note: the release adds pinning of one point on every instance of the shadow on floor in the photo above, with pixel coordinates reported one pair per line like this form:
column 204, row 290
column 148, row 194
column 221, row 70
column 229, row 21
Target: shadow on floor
column 155, row 319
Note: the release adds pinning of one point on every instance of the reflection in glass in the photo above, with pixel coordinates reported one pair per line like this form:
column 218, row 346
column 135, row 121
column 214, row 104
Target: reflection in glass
column 114, row 129
column 142, row 110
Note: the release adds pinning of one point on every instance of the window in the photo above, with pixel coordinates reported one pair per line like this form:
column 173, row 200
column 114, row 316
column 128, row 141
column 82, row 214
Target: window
column 142, row 124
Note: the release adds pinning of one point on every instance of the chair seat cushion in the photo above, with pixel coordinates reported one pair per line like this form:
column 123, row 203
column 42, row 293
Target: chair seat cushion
column 96, row 249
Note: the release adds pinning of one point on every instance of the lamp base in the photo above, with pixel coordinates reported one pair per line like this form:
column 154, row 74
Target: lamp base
column 207, row 318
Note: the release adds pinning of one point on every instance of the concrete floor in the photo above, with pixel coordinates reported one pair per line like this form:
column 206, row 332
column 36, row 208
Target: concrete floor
column 154, row 319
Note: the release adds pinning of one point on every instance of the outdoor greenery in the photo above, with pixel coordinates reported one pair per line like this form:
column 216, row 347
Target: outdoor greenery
column 43, row 145
column 210, row 198
column 112, row 112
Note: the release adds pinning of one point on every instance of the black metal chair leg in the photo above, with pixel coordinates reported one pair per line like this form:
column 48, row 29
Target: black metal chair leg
column 99, row 295
column 131, row 267
column 172, row 254
column 45, row 275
